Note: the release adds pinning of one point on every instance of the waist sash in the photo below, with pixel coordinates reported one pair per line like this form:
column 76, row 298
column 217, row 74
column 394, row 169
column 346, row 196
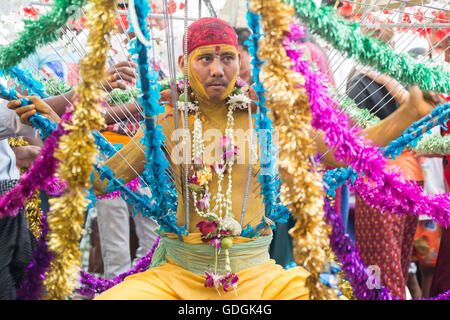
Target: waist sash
column 198, row 258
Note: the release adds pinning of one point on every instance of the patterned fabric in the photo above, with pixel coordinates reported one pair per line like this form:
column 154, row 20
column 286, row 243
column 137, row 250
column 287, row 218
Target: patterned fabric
column 208, row 31
column 426, row 243
column 6, row 185
column 385, row 240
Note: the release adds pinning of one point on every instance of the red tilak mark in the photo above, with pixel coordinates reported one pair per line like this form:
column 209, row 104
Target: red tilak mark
column 217, row 51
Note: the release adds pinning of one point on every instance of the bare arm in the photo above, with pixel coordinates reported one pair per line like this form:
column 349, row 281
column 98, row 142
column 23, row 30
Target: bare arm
column 126, row 163
column 390, row 128
column 120, row 111
column 59, row 103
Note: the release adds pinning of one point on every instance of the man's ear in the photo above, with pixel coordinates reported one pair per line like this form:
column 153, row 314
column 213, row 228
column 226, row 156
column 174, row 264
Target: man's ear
column 181, row 62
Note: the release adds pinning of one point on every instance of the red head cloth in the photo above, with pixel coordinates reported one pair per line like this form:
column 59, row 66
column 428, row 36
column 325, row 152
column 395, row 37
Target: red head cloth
column 208, row 31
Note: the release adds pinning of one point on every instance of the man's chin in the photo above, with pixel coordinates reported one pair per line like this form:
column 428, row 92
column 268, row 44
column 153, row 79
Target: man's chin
column 216, row 95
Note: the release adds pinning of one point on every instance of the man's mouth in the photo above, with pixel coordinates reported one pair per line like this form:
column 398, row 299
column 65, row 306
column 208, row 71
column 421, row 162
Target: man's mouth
column 216, row 85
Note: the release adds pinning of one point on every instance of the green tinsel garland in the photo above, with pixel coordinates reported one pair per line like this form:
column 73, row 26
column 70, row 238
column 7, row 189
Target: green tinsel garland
column 56, row 86
column 364, row 119
column 361, row 117
column 347, row 36
column 38, row 32
column 434, row 145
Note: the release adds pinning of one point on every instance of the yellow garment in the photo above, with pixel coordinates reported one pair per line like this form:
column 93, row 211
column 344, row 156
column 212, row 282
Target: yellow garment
column 114, row 137
column 170, row 281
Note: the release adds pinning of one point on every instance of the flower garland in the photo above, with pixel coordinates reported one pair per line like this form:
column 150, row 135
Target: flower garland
column 346, row 36
column 219, row 226
column 38, row 32
column 77, row 153
column 386, row 190
column 154, row 173
column 304, row 192
column 92, row 285
column 56, row 86
column 25, row 78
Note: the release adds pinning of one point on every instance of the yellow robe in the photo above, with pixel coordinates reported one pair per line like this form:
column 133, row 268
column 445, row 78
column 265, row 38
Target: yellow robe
column 170, row 281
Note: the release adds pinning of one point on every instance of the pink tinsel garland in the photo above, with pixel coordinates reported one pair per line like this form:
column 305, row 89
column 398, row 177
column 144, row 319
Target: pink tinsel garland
column 380, row 188
column 133, row 185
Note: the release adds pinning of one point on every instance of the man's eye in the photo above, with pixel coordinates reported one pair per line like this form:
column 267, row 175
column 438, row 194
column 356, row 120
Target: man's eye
column 205, row 58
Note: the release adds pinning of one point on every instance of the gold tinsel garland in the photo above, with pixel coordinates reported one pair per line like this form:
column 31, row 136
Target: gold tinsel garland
column 301, row 189
column 77, row 153
column 32, row 205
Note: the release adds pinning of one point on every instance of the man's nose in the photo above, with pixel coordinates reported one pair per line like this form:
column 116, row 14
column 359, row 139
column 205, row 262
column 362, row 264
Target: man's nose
column 216, row 68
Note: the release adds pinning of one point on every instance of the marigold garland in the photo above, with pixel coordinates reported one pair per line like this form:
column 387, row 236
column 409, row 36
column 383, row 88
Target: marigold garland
column 301, row 189
column 77, row 152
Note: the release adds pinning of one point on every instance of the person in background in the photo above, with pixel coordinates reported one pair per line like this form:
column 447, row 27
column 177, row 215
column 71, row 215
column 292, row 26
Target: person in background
column 16, row 241
column 384, row 239
column 245, row 72
column 441, row 275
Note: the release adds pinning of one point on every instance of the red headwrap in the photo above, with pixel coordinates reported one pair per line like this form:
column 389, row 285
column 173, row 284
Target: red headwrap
column 208, row 31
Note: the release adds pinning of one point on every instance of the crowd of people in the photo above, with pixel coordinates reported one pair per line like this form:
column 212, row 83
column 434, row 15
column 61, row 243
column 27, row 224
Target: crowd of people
column 412, row 253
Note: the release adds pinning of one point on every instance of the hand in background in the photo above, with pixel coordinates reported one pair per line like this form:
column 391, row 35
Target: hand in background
column 37, row 105
column 118, row 74
column 25, row 155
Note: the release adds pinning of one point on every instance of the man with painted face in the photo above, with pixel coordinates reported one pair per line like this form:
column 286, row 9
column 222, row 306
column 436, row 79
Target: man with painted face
column 213, row 68
column 186, row 269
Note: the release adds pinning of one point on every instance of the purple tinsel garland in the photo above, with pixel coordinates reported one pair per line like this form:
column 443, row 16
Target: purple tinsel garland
column 39, row 176
column 339, row 135
column 31, row 287
column 92, row 285
column 351, row 263
column 387, row 191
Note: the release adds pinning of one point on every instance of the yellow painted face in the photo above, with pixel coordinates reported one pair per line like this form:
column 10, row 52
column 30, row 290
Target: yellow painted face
column 212, row 71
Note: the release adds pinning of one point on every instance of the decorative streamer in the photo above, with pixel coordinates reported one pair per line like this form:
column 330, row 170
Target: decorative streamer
column 38, row 32
column 301, row 189
column 347, row 37
column 32, row 205
column 77, row 153
column 39, row 176
column 350, row 260
column 154, row 174
column 142, row 202
column 387, row 191
column 364, row 288
column 92, row 285
column 414, row 132
column 56, row 86
column 364, row 119
column 46, row 126
column 275, row 211
column 434, row 145
column 32, row 285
